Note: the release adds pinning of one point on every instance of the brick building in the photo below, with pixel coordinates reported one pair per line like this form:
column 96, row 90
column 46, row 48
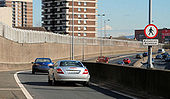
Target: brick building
column 22, row 12
column 57, row 17
column 163, row 35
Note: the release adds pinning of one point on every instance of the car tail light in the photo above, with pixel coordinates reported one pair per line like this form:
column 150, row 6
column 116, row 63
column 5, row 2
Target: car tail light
column 85, row 71
column 60, row 71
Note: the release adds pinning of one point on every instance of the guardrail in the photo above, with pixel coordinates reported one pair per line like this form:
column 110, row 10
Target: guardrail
column 155, row 82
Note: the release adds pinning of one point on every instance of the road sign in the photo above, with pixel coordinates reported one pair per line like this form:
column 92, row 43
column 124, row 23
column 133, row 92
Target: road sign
column 150, row 42
column 151, row 31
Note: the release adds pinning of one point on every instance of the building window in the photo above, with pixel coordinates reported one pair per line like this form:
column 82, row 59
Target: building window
column 58, row 28
column 85, row 34
column 85, row 16
column 85, row 28
column 58, row 9
column 79, row 21
column 85, row 3
column 79, row 28
column 79, row 3
column 58, row 22
column 85, row 22
column 85, row 9
column 79, row 34
column 79, row 16
column 79, row 9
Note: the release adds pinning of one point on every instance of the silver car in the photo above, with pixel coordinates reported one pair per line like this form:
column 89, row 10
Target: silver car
column 68, row 71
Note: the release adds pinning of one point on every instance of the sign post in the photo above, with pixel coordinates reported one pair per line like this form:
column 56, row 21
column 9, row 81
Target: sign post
column 151, row 31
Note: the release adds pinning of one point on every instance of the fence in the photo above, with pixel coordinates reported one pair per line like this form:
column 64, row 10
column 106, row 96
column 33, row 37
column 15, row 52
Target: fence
column 29, row 36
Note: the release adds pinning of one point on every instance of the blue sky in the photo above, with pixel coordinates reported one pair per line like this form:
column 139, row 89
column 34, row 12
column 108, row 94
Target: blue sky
column 128, row 15
column 125, row 15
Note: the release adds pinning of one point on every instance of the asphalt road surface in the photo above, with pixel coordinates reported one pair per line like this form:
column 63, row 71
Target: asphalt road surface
column 38, row 87
column 132, row 57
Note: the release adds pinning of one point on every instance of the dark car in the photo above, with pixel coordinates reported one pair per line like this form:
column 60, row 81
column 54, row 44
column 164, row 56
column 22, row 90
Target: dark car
column 139, row 56
column 41, row 65
column 159, row 57
column 164, row 55
column 145, row 54
column 120, row 62
column 167, row 59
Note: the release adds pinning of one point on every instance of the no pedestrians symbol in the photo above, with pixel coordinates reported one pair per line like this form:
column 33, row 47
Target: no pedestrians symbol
column 151, row 31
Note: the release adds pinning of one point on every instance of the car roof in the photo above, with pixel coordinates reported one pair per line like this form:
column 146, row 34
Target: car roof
column 43, row 58
column 68, row 60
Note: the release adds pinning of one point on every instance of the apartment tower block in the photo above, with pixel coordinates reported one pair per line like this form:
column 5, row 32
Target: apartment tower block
column 57, row 17
column 22, row 12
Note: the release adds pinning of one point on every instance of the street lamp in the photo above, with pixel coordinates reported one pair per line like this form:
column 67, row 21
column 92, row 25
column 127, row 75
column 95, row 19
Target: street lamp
column 72, row 30
column 105, row 27
column 101, row 41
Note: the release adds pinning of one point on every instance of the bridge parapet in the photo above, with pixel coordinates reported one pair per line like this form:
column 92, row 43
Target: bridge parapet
column 142, row 81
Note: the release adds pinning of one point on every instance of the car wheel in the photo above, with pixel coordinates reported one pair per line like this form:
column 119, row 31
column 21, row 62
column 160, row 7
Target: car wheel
column 33, row 71
column 54, row 82
column 49, row 81
column 86, row 84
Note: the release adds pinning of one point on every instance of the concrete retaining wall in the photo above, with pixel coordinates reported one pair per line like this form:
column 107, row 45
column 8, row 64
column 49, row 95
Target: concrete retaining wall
column 155, row 82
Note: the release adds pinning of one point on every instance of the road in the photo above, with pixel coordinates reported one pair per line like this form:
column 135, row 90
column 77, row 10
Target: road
column 38, row 87
column 159, row 64
column 132, row 57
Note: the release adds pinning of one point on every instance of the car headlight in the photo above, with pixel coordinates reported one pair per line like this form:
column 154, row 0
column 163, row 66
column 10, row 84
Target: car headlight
column 50, row 64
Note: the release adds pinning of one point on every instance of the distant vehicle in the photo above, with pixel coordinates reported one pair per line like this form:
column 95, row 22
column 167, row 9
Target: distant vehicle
column 167, row 59
column 41, row 65
column 145, row 54
column 126, row 60
column 164, row 55
column 68, row 71
column 159, row 57
column 139, row 56
column 120, row 62
column 161, row 50
column 102, row 59
column 153, row 61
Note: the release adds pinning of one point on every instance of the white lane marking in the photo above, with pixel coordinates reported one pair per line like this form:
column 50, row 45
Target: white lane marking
column 26, row 93
column 114, row 91
column 4, row 89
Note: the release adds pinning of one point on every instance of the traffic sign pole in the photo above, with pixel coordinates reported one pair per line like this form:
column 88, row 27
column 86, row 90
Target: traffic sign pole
column 150, row 65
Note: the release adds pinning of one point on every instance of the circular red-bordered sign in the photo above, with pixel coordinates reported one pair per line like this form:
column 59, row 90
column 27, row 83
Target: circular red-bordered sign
column 151, row 31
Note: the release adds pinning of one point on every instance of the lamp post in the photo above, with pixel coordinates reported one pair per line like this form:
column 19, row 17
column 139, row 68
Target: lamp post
column 72, row 30
column 105, row 27
column 101, row 40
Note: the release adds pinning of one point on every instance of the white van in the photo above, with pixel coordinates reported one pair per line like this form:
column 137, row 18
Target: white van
column 161, row 50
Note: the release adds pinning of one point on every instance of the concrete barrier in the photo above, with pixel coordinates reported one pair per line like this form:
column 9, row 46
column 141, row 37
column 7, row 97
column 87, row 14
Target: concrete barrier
column 156, row 82
column 14, row 66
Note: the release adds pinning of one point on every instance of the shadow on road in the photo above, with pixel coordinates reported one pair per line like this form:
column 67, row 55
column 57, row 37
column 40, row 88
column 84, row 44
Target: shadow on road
column 108, row 92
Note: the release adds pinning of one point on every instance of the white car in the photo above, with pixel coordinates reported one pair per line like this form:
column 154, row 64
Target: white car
column 68, row 71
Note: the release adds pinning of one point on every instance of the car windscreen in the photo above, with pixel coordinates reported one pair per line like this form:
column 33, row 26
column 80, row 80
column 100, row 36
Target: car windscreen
column 71, row 63
column 43, row 60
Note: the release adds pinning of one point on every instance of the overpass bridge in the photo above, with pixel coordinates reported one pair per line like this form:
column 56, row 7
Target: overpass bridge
column 20, row 47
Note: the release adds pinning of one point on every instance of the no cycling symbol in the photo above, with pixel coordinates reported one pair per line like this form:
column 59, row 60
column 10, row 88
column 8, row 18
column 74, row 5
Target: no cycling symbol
column 151, row 31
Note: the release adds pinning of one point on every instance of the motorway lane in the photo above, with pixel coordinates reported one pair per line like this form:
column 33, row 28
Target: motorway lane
column 132, row 57
column 38, row 87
